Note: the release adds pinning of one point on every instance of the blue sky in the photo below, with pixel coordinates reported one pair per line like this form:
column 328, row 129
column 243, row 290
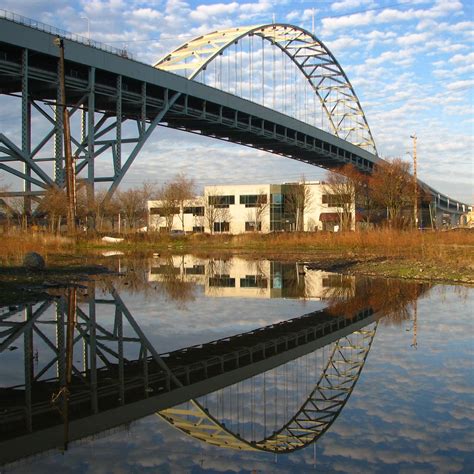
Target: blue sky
column 411, row 63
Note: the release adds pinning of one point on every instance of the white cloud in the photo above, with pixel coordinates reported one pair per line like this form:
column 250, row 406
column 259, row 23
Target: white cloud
column 462, row 58
column 413, row 39
column 147, row 14
column 456, row 85
column 388, row 15
column 343, row 43
column 206, row 12
column 350, row 4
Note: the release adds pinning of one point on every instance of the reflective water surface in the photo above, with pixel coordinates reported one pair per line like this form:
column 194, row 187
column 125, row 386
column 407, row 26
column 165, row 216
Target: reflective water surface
column 189, row 364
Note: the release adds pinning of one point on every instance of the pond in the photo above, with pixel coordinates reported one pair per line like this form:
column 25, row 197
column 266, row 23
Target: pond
column 194, row 364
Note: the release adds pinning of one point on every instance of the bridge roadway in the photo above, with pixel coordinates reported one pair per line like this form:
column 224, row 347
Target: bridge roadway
column 163, row 381
column 123, row 87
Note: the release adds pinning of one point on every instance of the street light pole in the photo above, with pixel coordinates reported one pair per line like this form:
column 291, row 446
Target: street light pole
column 88, row 27
column 70, row 172
column 415, row 179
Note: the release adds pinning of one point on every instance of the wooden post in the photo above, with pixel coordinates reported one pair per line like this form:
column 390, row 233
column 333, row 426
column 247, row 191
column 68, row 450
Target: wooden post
column 70, row 171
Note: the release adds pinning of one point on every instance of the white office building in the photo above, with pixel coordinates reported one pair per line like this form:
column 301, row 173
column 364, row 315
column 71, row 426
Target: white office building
column 237, row 209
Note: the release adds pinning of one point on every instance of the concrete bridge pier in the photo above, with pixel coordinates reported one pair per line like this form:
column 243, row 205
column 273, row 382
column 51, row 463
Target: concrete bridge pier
column 443, row 218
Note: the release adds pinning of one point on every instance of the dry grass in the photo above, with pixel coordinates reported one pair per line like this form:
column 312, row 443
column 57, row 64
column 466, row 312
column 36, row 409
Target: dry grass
column 456, row 247
column 383, row 242
column 15, row 245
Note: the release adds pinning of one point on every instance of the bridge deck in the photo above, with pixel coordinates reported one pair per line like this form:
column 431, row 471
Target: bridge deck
column 148, row 388
column 141, row 92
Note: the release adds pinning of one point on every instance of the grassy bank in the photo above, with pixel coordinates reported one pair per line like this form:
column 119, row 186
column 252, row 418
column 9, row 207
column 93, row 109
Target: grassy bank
column 442, row 255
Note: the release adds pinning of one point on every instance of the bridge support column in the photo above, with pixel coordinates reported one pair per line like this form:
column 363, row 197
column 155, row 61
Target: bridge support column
column 90, row 149
column 26, row 132
column 455, row 219
column 29, row 368
column 92, row 329
column 438, row 215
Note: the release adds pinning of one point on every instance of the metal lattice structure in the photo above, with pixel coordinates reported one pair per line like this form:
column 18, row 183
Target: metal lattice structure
column 313, row 59
column 115, row 105
column 309, row 423
column 85, row 355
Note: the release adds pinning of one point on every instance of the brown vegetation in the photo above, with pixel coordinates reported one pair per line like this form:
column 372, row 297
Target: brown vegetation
column 452, row 251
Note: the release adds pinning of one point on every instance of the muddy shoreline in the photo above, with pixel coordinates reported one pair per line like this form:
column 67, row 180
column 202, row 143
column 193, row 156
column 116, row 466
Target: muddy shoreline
column 20, row 285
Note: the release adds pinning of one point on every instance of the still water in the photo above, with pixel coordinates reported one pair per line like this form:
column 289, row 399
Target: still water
column 187, row 364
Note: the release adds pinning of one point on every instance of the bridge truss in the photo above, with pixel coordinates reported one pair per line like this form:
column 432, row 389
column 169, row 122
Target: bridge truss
column 89, row 368
column 316, row 414
column 308, row 112
column 306, row 75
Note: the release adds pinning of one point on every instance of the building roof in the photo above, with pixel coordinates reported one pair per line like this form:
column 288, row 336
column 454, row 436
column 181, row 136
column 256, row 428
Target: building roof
column 329, row 217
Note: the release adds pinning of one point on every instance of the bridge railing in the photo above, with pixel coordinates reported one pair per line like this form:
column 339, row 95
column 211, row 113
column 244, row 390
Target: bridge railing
column 38, row 25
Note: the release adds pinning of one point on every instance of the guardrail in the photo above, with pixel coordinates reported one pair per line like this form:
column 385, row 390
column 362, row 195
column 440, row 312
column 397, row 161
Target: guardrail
column 38, row 25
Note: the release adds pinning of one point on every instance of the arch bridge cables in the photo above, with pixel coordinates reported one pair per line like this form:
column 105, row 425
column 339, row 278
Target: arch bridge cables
column 308, row 424
column 330, row 86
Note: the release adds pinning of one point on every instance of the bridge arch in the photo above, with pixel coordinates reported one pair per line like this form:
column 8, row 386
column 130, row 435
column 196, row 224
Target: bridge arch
column 308, row 424
column 312, row 58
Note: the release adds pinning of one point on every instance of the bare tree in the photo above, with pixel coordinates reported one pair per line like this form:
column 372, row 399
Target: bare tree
column 168, row 205
column 133, row 204
column 298, row 199
column 214, row 212
column 392, row 188
column 257, row 211
column 14, row 208
column 342, row 188
column 173, row 197
column 104, row 208
column 54, row 205
column 364, row 196
column 182, row 189
column 364, row 199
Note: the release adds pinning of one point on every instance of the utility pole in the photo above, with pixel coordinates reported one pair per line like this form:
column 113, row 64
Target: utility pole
column 70, row 171
column 415, row 324
column 88, row 28
column 415, row 179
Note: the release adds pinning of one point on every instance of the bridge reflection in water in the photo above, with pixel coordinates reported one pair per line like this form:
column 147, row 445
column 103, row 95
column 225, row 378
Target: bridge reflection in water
column 277, row 388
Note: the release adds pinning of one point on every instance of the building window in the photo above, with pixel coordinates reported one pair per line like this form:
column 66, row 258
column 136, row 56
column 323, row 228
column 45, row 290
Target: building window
column 253, row 281
column 277, row 198
column 221, row 201
column 336, row 281
column 194, row 210
column 165, row 270
column 253, row 200
column 195, row 270
column 161, row 211
column 222, row 281
column 221, row 227
column 198, row 228
column 335, row 201
column 253, row 226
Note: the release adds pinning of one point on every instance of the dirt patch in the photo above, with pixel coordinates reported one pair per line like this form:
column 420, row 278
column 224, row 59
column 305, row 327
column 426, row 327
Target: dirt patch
column 23, row 285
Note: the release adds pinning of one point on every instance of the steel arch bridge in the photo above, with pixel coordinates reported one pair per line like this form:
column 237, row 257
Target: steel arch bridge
column 327, row 80
column 117, row 376
column 315, row 416
column 296, row 102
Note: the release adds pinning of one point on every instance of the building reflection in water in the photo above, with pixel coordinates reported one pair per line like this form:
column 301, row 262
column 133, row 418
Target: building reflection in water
column 237, row 277
column 277, row 388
